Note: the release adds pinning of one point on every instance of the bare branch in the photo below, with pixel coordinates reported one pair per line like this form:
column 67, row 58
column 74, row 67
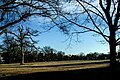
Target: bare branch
column 117, row 16
column 100, row 32
column 20, row 19
column 94, row 7
column 89, row 29
column 114, row 8
column 102, row 17
column 108, row 5
column 101, row 5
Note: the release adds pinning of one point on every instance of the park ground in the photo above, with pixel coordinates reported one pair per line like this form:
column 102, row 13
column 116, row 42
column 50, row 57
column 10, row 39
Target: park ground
column 57, row 70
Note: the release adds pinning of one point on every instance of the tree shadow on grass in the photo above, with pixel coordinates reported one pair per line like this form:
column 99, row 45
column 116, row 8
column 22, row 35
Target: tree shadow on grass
column 82, row 74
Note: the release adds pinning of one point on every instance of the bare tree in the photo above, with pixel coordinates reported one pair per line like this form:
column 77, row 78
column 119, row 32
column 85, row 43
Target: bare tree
column 16, row 11
column 98, row 16
column 24, row 37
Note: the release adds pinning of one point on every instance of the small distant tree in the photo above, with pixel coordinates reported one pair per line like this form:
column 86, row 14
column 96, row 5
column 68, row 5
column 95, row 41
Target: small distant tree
column 48, row 53
column 60, row 55
column 92, row 56
column 41, row 57
column 82, row 56
column 103, row 56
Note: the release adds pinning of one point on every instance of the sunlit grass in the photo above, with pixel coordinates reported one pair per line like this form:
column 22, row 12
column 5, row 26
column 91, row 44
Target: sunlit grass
column 16, row 68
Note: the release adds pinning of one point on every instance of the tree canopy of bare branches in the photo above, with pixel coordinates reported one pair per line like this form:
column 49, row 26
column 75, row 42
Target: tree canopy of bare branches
column 15, row 11
column 98, row 16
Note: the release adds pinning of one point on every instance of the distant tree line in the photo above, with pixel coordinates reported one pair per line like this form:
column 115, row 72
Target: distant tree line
column 49, row 54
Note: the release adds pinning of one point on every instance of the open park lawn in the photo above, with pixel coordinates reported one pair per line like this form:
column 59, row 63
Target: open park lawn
column 56, row 70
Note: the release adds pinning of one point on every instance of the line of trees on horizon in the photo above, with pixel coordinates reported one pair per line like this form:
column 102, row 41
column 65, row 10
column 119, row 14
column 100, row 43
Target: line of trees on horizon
column 49, row 54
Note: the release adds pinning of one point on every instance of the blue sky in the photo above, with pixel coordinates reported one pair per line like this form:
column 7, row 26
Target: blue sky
column 57, row 40
column 87, row 43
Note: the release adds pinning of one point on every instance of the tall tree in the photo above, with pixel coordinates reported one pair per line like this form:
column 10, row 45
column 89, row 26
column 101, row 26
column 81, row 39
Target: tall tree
column 15, row 11
column 98, row 16
column 24, row 37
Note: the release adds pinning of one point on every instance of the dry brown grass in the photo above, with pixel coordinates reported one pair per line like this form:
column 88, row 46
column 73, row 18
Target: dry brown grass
column 16, row 68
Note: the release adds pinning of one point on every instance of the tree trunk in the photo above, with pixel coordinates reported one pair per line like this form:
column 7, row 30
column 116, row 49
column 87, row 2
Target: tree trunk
column 112, row 44
column 22, row 58
column 112, row 56
column 22, row 55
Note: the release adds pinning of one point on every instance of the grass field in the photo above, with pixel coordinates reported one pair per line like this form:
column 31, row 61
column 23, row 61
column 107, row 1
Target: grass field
column 16, row 68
